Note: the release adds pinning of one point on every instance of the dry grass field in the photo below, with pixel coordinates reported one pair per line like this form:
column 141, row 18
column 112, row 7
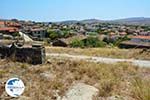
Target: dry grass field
column 45, row 82
column 103, row 52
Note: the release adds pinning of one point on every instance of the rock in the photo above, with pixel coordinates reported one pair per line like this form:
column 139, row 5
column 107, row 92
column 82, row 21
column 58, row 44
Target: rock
column 49, row 61
column 59, row 43
column 81, row 91
column 47, row 75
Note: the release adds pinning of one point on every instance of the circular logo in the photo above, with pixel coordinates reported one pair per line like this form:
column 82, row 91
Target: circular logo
column 14, row 87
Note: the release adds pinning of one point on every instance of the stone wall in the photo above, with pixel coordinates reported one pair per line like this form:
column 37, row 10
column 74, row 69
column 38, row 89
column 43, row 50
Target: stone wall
column 32, row 55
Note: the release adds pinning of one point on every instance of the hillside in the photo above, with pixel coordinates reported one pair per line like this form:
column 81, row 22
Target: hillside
column 133, row 21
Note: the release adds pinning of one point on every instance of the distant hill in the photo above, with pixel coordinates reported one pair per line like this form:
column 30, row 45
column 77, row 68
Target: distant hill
column 69, row 22
column 86, row 21
column 132, row 21
column 89, row 21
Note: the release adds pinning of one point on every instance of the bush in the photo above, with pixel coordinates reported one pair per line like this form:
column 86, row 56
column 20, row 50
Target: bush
column 88, row 42
column 93, row 42
column 119, row 40
column 54, row 34
column 66, row 34
column 115, row 40
column 92, row 33
column 77, row 43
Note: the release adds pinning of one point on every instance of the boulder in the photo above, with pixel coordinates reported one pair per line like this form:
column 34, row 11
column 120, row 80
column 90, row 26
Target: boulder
column 47, row 75
column 59, row 43
column 81, row 91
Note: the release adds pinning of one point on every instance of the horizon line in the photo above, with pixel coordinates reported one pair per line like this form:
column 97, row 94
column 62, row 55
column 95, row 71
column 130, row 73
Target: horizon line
column 71, row 19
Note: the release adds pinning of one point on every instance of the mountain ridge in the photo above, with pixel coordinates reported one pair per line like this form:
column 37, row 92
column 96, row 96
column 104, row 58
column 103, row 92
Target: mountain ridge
column 131, row 20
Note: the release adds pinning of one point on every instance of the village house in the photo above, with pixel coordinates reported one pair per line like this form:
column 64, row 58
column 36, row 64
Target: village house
column 144, row 33
column 9, row 30
column 38, row 33
column 137, row 42
column 8, row 27
column 139, row 39
column 12, row 24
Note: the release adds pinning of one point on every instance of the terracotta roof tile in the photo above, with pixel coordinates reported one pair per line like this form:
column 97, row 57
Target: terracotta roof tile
column 9, row 29
column 141, row 37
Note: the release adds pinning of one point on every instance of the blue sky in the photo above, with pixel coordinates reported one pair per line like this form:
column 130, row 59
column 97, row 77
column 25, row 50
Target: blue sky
column 59, row 10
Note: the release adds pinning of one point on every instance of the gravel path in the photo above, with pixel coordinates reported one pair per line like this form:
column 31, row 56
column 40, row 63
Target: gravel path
column 140, row 63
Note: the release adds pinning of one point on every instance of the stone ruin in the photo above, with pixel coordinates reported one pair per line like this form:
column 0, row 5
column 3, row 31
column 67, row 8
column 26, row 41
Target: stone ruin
column 34, row 54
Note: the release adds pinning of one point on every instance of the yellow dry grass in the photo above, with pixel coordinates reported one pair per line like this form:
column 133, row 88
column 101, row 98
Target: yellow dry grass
column 110, row 79
column 104, row 52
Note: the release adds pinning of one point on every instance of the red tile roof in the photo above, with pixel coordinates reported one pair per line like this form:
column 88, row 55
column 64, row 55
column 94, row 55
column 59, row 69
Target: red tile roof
column 14, row 24
column 10, row 24
column 9, row 29
column 141, row 37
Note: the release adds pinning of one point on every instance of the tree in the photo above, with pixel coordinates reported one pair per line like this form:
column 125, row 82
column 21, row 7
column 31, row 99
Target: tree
column 93, row 42
column 76, row 43
column 119, row 40
column 53, row 34
column 88, row 42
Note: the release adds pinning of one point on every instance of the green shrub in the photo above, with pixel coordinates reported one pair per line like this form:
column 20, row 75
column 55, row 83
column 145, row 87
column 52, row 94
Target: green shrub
column 88, row 42
column 66, row 34
column 76, row 43
column 119, row 40
column 93, row 42
column 54, row 34
column 115, row 40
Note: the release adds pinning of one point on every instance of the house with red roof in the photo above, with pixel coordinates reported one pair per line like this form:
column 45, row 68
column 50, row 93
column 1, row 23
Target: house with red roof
column 137, row 42
column 8, row 27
